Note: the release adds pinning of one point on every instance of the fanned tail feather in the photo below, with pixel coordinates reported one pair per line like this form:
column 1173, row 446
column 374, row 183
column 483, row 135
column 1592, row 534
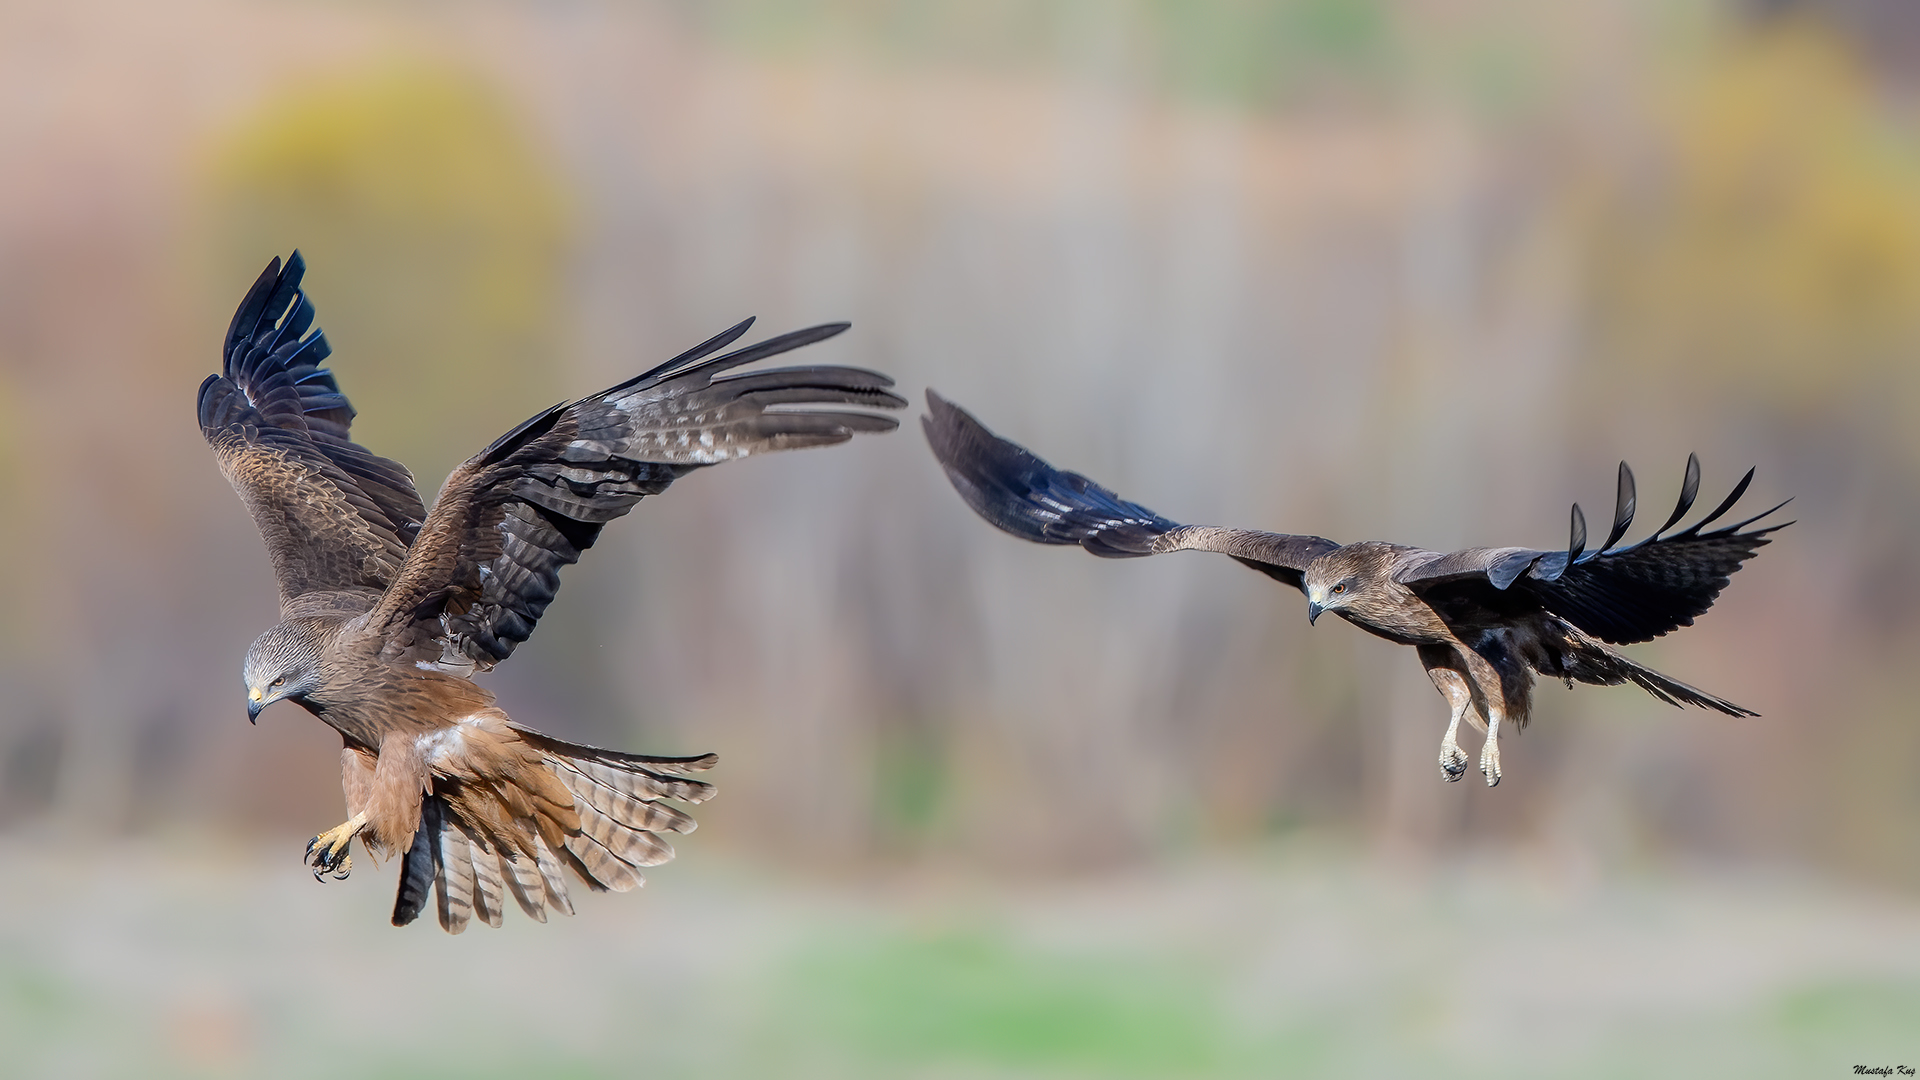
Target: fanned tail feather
column 616, row 799
column 487, row 883
column 453, row 876
column 522, row 875
column 550, row 877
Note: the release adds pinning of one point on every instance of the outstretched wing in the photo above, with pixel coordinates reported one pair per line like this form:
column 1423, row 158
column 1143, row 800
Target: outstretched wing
column 1626, row 594
column 336, row 520
column 1031, row 499
column 487, row 562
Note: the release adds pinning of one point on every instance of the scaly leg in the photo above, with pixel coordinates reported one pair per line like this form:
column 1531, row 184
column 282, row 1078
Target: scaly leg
column 1490, row 751
column 1452, row 685
column 1453, row 760
column 327, row 853
column 1491, row 700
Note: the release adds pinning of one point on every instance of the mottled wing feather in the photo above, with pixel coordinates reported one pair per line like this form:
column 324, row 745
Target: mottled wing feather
column 334, row 518
column 1021, row 494
column 269, row 351
column 487, row 562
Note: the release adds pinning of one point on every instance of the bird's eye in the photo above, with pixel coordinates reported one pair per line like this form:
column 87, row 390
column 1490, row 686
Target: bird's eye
column 281, row 681
column 1340, row 588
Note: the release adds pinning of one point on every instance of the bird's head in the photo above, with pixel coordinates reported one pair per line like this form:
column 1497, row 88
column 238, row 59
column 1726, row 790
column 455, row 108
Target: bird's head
column 284, row 662
column 1331, row 584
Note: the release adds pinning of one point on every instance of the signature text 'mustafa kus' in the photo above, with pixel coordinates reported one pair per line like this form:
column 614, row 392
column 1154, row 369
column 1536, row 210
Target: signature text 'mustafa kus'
column 1883, row 1070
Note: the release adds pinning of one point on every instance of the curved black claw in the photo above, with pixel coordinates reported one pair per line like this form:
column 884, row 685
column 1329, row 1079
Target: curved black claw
column 330, row 858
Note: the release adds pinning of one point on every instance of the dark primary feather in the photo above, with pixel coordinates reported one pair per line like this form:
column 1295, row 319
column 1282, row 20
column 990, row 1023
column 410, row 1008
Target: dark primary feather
column 1620, row 595
column 266, row 353
column 1017, row 491
column 1029, row 498
column 488, row 561
column 1623, row 503
column 334, row 515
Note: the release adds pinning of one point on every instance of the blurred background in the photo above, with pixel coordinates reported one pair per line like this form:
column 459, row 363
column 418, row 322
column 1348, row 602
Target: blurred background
column 1417, row 270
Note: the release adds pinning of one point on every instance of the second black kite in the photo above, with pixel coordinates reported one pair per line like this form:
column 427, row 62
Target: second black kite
column 1484, row 619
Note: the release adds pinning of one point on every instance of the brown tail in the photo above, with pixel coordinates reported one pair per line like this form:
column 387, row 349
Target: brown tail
column 1587, row 660
column 618, row 803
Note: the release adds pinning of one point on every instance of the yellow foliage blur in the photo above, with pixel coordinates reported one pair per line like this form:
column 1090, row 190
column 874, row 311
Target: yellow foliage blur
column 1780, row 251
column 417, row 179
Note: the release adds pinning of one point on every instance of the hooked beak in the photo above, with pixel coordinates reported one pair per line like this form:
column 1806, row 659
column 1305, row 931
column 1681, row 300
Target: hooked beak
column 1313, row 612
column 255, row 702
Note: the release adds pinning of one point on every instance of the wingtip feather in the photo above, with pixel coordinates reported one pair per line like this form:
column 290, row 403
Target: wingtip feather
column 1624, row 501
column 1689, row 491
column 1726, row 504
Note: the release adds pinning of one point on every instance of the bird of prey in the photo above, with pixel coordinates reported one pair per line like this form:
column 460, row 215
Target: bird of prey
column 387, row 610
column 1483, row 620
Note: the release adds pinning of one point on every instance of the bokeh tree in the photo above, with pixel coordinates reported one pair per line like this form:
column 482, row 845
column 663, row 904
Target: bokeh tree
column 437, row 237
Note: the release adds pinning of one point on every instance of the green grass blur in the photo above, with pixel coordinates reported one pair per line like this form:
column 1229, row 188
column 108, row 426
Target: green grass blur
column 1292, row 964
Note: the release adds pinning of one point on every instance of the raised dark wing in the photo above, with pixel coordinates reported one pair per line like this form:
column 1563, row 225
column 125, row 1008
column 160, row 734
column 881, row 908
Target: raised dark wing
column 1031, row 499
column 336, row 520
column 487, row 562
column 1626, row 594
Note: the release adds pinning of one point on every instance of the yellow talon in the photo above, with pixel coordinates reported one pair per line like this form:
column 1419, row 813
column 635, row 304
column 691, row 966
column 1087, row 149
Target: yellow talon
column 327, row 853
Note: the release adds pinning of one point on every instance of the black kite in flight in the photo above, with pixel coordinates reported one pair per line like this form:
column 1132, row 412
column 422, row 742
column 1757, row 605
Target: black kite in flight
column 387, row 610
column 1483, row 619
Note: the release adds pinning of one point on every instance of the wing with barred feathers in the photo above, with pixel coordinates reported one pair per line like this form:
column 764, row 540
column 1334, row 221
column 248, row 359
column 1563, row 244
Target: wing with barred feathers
column 336, row 520
column 487, row 561
column 1620, row 595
